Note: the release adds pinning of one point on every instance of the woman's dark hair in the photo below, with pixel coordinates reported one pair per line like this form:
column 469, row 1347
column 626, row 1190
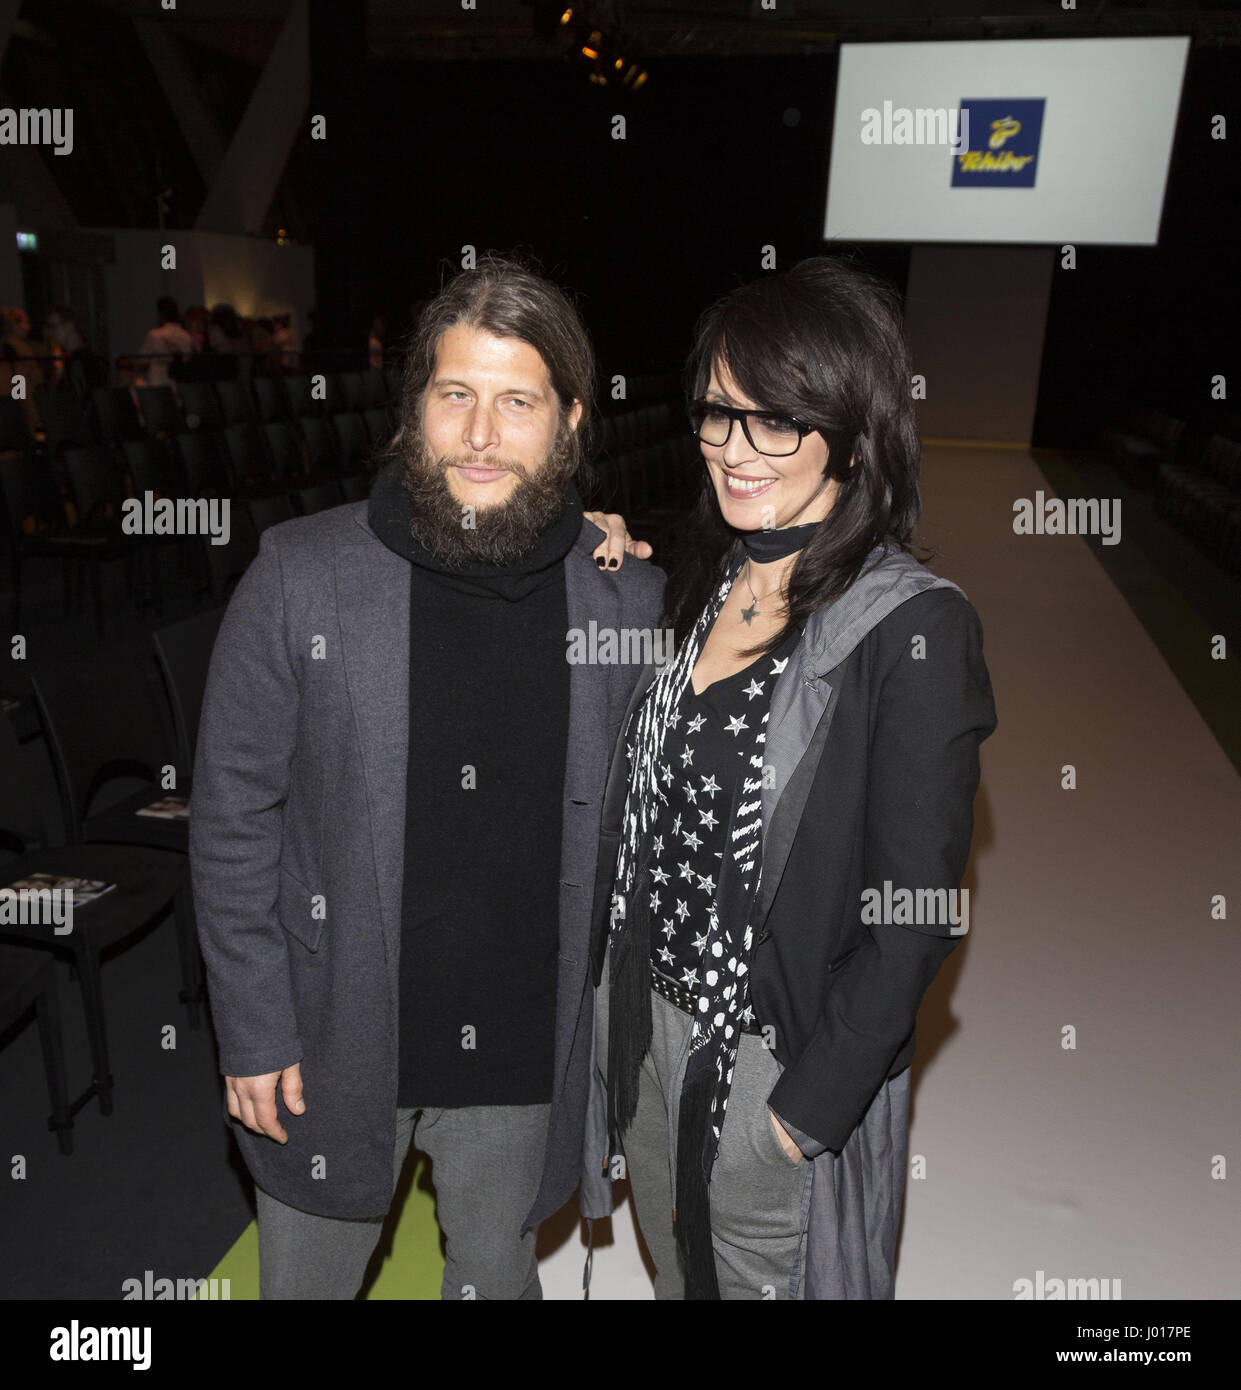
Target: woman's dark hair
column 823, row 342
column 506, row 297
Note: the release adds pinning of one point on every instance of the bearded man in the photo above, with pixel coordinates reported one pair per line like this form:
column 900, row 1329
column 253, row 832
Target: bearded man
column 397, row 797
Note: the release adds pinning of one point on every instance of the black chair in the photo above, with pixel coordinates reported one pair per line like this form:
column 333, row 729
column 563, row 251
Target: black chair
column 153, row 468
column 355, row 444
column 269, row 511
column 15, row 436
column 146, row 883
column 301, row 397
column 250, row 465
column 64, row 421
column 378, row 426
column 28, row 980
column 98, row 491
column 236, row 403
column 199, row 405
column 318, row 499
column 116, row 413
column 204, row 462
column 374, row 389
column 37, row 525
column 322, row 447
column 356, row 486
column 161, row 414
column 270, row 399
column 285, row 446
column 227, row 563
column 184, row 653
column 354, row 387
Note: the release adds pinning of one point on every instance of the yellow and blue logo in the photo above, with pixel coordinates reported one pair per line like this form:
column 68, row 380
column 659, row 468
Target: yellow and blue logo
column 1002, row 151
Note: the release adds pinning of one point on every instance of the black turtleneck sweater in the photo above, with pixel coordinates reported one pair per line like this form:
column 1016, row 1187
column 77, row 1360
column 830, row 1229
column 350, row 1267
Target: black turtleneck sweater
column 488, row 723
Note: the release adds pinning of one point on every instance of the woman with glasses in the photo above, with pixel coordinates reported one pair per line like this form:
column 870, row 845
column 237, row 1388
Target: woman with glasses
column 791, row 806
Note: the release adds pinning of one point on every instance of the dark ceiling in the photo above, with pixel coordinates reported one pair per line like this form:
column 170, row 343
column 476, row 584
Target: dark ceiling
column 529, row 30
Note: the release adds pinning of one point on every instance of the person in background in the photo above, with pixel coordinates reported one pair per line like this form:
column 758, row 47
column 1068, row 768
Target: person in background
column 197, row 321
column 165, row 344
column 226, row 336
column 20, row 355
column 310, row 344
column 282, row 340
column 375, row 342
column 78, row 369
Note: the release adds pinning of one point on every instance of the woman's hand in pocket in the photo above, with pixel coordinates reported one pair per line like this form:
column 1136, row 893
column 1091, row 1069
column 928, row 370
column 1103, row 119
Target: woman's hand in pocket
column 787, row 1143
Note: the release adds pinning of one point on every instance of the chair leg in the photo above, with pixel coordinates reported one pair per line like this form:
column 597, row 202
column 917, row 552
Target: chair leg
column 187, row 947
column 51, row 1037
column 92, row 1002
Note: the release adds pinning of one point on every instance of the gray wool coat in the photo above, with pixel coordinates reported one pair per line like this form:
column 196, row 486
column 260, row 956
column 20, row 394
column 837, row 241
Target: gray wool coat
column 297, row 851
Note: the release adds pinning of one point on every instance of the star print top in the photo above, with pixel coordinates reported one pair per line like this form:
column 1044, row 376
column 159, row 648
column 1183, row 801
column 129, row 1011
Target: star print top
column 705, row 747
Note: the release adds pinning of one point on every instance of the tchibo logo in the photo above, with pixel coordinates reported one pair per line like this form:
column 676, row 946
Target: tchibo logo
column 1003, row 141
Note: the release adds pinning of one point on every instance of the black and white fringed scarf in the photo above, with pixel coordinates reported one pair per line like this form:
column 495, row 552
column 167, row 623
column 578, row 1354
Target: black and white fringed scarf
column 722, row 1002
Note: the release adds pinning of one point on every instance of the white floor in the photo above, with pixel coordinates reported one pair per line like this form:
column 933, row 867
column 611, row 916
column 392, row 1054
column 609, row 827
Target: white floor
column 1089, row 909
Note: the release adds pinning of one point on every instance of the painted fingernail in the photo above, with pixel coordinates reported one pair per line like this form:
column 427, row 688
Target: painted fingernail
column 599, row 561
column 613, row 564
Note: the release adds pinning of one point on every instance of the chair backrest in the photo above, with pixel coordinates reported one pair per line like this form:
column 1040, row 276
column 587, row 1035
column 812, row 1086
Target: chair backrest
column 116, row 413
column 227, row 563
column 299, row 391
column 30, row 494
column 355, row 486
column 319, row 499
column 249, row 458
column 268, row 511
column 96, row 482
column 199, row 404
column 355, row 444
column 160, row 412
column 269, row 396
column 377, row 425
column 151, row 467
column 23, row 822
column 204, row 463
column 322, row 447
column 285, row 446
column 184, row 653
column 374, row 388
column 14, row 428
column 236, row 403
column 102, row 723
column 354, row 386
column 64, row 421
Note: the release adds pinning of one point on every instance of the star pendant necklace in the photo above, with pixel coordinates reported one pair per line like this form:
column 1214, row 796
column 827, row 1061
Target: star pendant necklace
column 749, row 614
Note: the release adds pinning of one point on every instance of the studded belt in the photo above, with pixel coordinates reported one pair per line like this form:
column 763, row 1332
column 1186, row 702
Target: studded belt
column 684, row 1000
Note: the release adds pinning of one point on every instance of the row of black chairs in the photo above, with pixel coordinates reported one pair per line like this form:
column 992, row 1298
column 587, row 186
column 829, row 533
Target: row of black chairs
column 39, row 529
column 1199, row 491
column 85, row 730
column 115, row 414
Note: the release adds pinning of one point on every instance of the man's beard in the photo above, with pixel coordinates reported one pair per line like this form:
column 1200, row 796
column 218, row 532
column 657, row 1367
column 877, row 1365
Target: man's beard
column 498, row 535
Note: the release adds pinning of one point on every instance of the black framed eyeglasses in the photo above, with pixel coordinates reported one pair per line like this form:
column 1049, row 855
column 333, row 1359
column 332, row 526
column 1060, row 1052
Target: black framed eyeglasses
column 768, row 432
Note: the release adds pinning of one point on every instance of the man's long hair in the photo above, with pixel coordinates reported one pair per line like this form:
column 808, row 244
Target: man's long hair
column 823, row 342
column 505, row 296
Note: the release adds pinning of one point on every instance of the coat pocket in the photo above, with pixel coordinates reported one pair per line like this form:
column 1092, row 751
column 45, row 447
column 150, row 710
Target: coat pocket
column 295, row 909
column 842, row 960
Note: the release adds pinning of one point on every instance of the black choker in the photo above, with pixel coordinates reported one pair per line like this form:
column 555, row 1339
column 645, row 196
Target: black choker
column 763, row 546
